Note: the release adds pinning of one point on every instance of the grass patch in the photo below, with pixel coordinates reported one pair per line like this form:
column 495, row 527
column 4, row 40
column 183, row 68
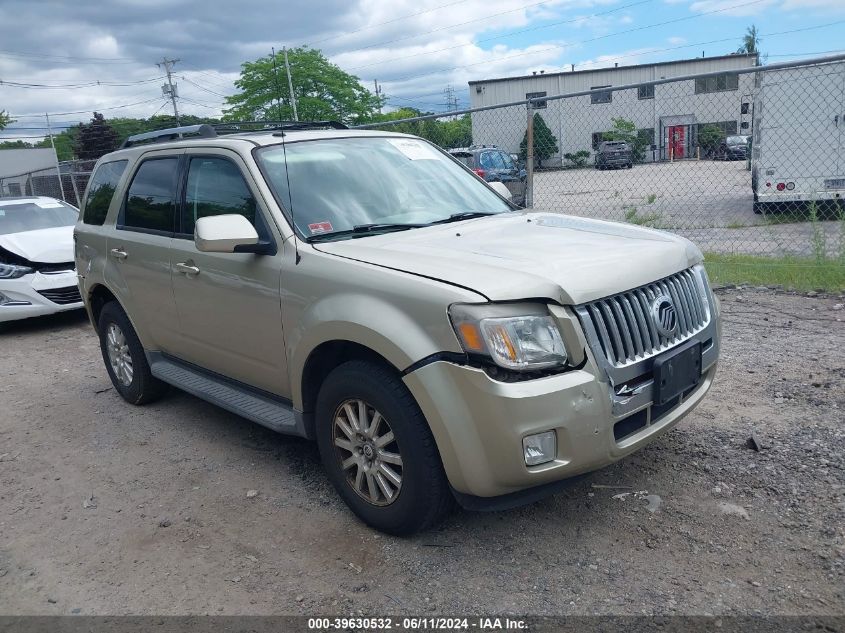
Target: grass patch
column 736, row 225
column 799, row 273
column 651, row 198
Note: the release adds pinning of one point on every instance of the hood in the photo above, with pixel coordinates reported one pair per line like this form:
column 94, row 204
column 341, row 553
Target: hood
column 529, row 255
column 44, row 246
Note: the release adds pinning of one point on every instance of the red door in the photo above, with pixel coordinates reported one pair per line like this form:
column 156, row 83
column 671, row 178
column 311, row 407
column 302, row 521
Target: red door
column 677, row 141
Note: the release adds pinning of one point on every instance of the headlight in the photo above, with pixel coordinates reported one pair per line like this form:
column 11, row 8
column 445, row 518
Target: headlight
column 13, row 271
column 521, row 337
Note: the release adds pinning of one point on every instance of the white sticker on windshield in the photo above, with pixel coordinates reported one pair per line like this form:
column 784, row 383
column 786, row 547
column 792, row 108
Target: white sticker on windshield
column 48, row 204
column 413, row 149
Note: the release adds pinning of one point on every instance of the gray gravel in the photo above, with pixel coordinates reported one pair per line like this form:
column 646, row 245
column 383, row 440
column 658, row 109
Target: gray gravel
column 110, row 509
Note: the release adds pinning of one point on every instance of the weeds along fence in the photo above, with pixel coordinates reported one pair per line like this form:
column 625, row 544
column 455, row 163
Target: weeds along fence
column 748, row 162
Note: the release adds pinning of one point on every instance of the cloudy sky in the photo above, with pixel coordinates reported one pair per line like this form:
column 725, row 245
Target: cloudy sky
column 70, row 58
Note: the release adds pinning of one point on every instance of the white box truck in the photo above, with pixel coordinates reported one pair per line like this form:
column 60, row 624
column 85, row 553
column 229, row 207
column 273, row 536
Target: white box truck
column 798, row 141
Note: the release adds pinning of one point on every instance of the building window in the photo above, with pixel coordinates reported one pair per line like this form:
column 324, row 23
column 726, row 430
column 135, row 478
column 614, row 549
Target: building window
column 717, row 83
column 745, row 108
column 537, row 105
column 744, row 125
column 603, row 96
column 645, row 92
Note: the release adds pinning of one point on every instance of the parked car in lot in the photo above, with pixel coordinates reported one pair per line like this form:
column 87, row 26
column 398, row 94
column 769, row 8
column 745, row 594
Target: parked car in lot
column 363, row 289
column 494, row 165
column 611, row 154
column 37, row 275
column 733, row 148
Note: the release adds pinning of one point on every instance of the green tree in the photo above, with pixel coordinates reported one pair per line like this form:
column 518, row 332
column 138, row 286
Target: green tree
column 95, row 139
column 323, row 90
column 625, row 130
column 545, row 143
column 709, row 139
column 447, row 132
column 5, row 119
column 15, row 145
column 750, row 41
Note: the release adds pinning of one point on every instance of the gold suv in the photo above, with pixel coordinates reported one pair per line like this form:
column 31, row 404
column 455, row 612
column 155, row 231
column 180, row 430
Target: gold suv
column 367, row 290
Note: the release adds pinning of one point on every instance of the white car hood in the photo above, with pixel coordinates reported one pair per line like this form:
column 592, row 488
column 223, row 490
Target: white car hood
column 44, row 246
column 528, row 255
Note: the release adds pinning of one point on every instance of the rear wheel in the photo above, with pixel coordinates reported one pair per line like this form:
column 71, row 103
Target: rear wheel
column 124, row 357
column 378, row 450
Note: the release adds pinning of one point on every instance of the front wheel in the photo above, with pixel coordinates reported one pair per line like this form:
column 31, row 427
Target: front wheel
column 378, row 450
column 124, row 357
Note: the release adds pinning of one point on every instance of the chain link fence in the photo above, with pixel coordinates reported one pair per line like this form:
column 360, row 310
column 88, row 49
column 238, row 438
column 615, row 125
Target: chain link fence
column 749, row 164
column 70, row 187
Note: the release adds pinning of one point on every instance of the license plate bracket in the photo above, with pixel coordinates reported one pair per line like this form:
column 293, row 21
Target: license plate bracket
column 676, row 371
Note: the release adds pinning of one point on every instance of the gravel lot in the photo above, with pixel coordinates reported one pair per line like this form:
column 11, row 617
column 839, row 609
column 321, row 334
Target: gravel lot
column 111, row 509
column 709, row 202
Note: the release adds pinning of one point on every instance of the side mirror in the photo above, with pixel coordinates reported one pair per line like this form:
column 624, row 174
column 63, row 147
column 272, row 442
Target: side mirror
column 501, row 189
column 223, row 233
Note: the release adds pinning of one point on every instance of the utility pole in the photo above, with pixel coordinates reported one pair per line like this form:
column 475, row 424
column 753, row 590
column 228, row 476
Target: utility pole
column 58, row 169
column 378, row 94
column 451, row 99
column 290, row 85
column 169, row 90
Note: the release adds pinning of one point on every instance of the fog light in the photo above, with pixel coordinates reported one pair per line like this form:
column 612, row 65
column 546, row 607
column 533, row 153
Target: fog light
column 540, row 448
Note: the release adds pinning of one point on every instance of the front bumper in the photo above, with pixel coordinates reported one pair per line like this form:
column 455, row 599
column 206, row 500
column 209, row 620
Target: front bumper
column 479, row 423
column 38, row 294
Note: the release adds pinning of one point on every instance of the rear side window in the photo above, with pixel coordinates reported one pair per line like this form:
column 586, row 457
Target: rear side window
column 151, row 200
column 215, row 187
column 101, row 190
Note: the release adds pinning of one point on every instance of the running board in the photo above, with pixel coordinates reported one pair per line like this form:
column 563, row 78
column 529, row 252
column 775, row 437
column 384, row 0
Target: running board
column 265, row 410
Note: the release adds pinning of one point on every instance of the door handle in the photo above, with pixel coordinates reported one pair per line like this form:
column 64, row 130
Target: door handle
column 119, row 253
column 187, row 269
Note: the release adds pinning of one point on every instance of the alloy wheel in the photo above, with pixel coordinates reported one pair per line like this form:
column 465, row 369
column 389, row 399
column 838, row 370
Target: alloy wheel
column 120, row 358
column 368, row 452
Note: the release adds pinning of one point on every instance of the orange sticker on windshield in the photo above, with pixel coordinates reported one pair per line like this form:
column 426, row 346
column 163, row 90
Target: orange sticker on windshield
column 320, row 227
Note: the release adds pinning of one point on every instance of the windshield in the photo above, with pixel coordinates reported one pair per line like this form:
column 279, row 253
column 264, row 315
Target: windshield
column 17, row 217
column 339, row 184
column 737, row 140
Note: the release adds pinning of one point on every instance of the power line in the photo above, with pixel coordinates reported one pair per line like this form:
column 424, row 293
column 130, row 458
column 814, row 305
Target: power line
column 49, row 56
column 594, row 39
column 13, row 83
column 86, row 111
column 209, row 91
column 498, row 37
column 391, row 21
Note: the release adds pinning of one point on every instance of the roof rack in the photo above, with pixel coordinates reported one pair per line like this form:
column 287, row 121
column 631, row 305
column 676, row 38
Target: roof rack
column 158, row 136
column 206, row 130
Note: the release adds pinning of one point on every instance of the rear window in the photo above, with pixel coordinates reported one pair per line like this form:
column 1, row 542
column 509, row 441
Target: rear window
column 101, row 190
column 151, row 200
column 615, row 145
column 46, row 213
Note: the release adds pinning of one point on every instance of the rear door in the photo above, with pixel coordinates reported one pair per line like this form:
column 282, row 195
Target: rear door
column 229, row 304
column 138, row 268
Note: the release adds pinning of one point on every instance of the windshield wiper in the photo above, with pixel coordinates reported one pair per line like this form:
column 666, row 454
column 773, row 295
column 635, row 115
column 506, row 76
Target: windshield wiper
column 463, row 215
column 359, row 229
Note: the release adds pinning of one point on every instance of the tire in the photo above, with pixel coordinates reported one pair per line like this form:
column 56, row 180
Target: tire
column 423, row 497
column 137, row 386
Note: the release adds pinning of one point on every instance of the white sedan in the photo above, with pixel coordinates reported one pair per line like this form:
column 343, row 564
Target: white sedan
column 37, row 274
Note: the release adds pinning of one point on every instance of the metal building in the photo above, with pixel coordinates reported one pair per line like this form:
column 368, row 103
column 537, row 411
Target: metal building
column 667, row 116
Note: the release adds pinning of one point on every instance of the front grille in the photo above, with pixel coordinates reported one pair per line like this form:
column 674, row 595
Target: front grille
column 62, row 296
column 623, row 324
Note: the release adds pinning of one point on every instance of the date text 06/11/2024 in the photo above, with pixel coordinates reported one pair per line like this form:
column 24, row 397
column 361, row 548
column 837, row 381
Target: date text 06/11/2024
column 417, row 624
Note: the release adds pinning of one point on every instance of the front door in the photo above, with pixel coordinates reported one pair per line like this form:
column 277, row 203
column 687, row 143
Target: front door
column 677, row 141
column 229, row 304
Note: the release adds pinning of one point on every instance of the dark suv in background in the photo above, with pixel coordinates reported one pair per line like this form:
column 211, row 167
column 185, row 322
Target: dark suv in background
column 494, row 165
column 614, row 154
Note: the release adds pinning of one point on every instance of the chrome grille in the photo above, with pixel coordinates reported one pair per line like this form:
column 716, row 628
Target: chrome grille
column 623, row 325
column 62, row 296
